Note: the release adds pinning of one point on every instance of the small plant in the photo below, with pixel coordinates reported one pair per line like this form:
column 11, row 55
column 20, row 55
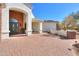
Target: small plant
column 70, row 27
column 75, row 28
column 23, row 30
column 65, row 28
column 78, row 28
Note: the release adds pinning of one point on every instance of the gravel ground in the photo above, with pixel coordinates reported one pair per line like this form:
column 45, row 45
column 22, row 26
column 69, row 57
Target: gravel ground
column 36, row 45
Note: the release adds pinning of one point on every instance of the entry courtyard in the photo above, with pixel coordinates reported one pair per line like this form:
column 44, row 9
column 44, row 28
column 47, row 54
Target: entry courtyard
column 36, row 45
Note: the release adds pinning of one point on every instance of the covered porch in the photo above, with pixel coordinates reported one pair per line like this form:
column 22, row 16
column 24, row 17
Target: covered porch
column 6, row 17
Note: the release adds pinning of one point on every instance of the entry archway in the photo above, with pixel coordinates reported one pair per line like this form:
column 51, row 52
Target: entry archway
column 5, row 18
column 18, row 16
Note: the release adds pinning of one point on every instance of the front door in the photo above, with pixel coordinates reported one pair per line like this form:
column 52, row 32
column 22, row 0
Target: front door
column 13, row 27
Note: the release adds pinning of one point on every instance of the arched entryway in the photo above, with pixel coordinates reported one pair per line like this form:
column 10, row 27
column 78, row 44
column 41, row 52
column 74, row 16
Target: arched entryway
column 17, row 22
column 17, row 8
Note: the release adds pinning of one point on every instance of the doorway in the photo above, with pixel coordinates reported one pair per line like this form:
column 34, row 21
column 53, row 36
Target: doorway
column 13, row 27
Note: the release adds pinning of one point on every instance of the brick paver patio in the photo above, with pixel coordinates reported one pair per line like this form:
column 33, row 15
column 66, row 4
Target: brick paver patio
column 36, row 45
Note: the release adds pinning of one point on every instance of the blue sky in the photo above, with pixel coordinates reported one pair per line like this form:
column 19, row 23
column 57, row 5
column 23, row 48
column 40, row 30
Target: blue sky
column 54, row 11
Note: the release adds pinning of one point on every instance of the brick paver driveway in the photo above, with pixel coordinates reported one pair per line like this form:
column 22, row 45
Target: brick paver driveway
column 36, row 45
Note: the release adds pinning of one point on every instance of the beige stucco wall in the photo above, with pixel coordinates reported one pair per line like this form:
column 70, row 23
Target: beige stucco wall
column 29, row 5
column 49, row 26
column 35, row 26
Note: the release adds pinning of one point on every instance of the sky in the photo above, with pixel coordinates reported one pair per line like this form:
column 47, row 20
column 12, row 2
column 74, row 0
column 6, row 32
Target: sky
column 54, row 11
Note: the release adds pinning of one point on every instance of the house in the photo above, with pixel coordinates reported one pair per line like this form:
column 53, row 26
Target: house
column 17, row 18
column 50, row 25
column 37, row 25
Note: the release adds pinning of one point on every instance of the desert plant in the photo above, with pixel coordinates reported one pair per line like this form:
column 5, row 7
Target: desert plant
column 75, row 28
column 23, row 30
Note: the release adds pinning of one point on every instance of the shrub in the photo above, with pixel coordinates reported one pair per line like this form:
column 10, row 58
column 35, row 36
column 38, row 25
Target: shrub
column 23, row 30
column 75, row 28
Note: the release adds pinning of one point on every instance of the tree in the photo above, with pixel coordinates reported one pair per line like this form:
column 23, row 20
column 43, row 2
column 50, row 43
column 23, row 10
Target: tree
column 69, row 22
column 72, row 20
column 61, row 25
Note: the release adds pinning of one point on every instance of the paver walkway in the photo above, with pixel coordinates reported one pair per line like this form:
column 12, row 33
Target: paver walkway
column 36, row 45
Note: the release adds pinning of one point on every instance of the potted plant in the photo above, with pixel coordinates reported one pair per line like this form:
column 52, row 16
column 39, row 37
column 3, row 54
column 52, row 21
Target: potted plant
column 23, row 30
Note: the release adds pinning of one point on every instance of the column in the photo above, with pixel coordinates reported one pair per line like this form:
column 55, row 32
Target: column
column 0, row 23
column 40, row 27
column 29, row 24
column 5, row 23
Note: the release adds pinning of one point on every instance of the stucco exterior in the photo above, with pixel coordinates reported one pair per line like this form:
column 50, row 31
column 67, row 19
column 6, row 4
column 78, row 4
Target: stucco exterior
column 23, row 14
column 5, row 18
column 36, row 26
column 47, row 26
